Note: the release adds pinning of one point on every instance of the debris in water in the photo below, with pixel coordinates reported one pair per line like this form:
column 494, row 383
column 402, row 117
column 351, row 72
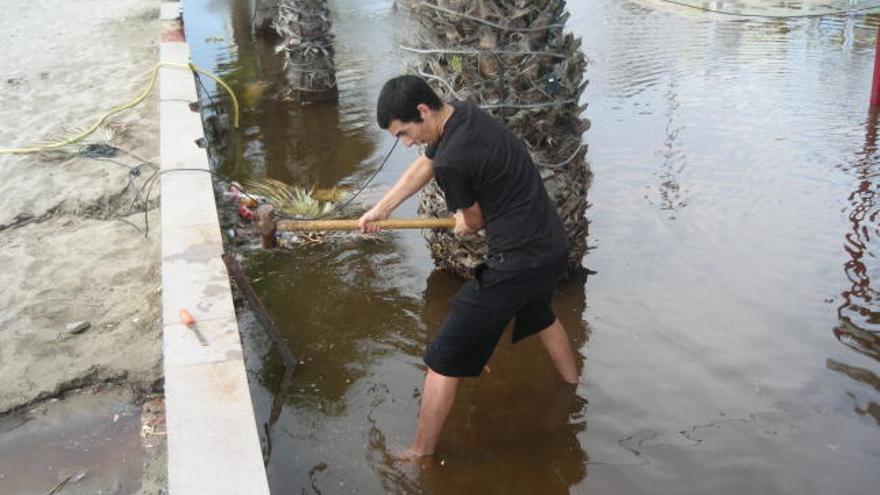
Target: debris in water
column 246, row 213
column 152, row 421
column 253, row 92
column 73, row 478
column 77, row 327
column 99, row 150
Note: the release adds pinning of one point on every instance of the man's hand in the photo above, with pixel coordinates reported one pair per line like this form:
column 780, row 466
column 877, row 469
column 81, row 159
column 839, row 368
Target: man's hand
column 375, row 214
column 414, row 178
column 468, row 220
column 461, row 228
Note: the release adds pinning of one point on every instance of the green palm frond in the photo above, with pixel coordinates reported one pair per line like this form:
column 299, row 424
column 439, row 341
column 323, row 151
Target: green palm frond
column 292, row 200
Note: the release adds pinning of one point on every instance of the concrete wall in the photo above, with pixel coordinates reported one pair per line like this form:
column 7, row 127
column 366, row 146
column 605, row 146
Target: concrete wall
column 213, row 445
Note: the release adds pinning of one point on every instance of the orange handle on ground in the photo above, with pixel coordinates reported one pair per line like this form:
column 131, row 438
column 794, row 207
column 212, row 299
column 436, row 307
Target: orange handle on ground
column 187, row 318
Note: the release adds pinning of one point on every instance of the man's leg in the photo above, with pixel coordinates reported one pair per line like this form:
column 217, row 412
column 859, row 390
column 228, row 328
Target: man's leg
column 437, row 398
column 556, row 342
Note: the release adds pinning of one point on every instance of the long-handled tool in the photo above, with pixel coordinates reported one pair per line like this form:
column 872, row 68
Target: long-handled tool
column 268, row 224
column 409, row 223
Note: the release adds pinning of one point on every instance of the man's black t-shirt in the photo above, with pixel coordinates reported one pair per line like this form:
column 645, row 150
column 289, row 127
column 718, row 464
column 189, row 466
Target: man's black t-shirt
column 478, row 159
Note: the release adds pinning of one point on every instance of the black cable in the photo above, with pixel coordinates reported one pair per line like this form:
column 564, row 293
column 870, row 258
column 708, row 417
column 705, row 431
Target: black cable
column 148, row 185
column 153, row 179
column 336, row 209
column 134, row 155
column 133, row 172
column 213, row 104
column 339, row 207
column 129, row 167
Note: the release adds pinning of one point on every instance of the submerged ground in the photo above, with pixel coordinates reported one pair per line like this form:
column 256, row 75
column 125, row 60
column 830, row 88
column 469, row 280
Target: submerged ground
column 728, row 340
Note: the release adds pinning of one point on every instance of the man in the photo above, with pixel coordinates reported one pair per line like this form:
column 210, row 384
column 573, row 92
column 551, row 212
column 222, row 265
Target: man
column 489, row 180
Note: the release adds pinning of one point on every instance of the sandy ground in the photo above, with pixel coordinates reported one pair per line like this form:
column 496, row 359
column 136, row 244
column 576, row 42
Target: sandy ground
column 68, row 249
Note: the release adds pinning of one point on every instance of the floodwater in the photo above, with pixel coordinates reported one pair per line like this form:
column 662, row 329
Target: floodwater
column 729, row 341
column 88, row 443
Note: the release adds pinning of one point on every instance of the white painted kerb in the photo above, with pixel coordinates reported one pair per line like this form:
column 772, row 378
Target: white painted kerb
column 213, row 445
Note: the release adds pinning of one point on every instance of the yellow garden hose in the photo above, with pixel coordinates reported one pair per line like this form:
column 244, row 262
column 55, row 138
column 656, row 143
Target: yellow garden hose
column 115, row 110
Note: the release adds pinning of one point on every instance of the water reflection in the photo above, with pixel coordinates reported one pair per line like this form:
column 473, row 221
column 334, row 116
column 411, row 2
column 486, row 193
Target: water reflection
column 859, row 313
column 861, row 375
column 771, row 8
column 303, row 144
column 334, row 306
column 672, row 155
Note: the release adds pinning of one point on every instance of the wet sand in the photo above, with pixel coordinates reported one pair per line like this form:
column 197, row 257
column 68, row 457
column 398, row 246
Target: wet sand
column 71, row 241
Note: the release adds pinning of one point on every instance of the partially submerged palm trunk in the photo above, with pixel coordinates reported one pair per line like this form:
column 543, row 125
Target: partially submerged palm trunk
column 512, row 58
column 307, row 45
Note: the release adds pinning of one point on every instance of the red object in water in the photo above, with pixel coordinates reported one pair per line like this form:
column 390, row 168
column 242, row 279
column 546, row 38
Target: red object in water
column 246, row 213
column 875, row 87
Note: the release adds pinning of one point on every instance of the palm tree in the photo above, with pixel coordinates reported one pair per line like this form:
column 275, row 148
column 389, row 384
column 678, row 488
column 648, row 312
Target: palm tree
column 513, row 58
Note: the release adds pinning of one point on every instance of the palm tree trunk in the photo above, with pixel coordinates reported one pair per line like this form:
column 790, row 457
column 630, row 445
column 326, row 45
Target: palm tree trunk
column 513, row 59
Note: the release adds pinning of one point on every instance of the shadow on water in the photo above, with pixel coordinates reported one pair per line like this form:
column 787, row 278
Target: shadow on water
column 515, row 429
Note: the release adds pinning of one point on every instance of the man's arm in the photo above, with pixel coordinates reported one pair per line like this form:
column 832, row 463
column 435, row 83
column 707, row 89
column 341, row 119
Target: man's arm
column 469, row 220
column 414, row 178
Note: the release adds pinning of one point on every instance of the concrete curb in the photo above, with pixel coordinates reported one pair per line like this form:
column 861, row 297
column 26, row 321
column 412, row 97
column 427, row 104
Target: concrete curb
column 213, row 445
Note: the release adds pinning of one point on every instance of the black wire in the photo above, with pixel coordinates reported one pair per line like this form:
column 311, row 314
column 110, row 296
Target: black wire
column 129, row 167
column 336, row 209
column 366, row 183
column 148, row 185
column 215, row 107
column 142, row 160
column 133, row 172
column 153, row 179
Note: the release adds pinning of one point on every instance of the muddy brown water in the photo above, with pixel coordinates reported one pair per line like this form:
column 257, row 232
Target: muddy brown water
column 729, row 340
column 88, row 443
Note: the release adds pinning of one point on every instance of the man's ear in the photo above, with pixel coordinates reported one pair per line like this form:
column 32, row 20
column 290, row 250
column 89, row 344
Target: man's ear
column 424, row 110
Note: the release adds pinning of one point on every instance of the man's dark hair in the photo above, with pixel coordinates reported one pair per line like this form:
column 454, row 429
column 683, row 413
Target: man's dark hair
column 400, row 97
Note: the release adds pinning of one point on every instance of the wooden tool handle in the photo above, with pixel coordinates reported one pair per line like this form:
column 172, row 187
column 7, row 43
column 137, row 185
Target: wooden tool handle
column 409, row 223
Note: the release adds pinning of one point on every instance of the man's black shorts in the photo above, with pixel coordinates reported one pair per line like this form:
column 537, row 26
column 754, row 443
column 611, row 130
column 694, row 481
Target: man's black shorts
column 483, row 308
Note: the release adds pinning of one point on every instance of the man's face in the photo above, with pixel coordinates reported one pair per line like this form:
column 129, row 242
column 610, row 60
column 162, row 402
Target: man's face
column 418, row 133
column 410, row 133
